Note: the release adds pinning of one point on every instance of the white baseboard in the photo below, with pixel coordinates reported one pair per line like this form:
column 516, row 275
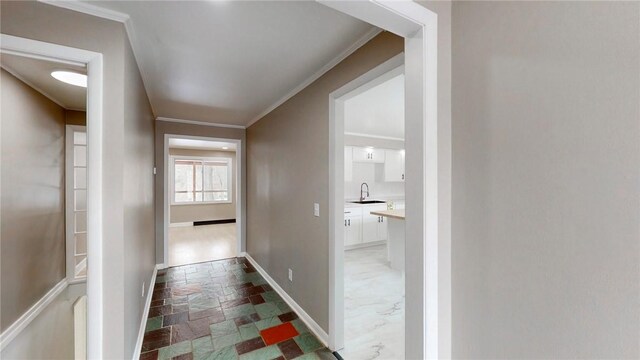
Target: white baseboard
column 182, row 224
column 311, row 324
column 145, row 313
column 23, row 321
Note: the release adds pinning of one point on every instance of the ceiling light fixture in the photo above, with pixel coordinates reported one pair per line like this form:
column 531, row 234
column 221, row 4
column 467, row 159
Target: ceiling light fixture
column 71, row 78
column 225, row 148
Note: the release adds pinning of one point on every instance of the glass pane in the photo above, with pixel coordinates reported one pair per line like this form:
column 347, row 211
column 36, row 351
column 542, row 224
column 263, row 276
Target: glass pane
column 216, row 196
column 81, row 243
column 81, row 221
column 80, row 155
column 198, row 196
column 183, row 177
column 215, row 177
column 79, row 259
column 198, row 178
column 184, row 197
column 80, row 200
column 80, row 178
column 80, row 138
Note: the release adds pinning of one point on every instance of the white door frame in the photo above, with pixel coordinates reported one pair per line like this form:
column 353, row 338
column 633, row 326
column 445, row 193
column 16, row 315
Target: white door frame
column 427, row 191
column 238, row 174
column 94, row 63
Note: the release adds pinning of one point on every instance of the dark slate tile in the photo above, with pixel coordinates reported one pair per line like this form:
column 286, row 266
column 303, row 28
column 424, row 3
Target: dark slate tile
column 256, row 299
column 234, row 303
column 288, row 316
column 156, row 339
column 213, row 312
column 159, row 310
column 187, row 356
column 254, row 290
column 161, row 294
column 177, row 318
column 249, row 345
column 290, row 349
column 149, row 355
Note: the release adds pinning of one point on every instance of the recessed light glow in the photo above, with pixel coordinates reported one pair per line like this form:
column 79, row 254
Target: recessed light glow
column 225, row 148
column 72, row 78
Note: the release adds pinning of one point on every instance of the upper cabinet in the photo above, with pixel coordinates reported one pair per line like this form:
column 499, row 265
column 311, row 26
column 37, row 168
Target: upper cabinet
column 371, row 155
column 348, row 163
column 394, row 165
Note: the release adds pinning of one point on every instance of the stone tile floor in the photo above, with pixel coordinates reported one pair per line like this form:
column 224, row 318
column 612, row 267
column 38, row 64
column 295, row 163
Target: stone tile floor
column 223, row 310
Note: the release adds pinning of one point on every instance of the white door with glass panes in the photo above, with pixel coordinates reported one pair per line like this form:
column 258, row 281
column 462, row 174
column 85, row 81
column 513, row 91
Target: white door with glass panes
column 76, row 201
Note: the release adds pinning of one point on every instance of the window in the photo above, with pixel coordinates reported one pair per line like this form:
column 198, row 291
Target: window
column 201, row 180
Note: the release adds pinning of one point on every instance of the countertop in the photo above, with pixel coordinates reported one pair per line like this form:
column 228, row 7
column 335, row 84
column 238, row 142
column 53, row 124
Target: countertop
column 395, row 214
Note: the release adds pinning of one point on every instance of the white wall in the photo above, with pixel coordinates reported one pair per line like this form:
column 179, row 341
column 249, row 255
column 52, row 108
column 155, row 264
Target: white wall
column 373, row 175
column 546, row 149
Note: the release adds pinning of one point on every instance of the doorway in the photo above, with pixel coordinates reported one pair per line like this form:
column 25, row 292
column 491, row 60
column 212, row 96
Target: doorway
column 202, row 211
column 56, row 89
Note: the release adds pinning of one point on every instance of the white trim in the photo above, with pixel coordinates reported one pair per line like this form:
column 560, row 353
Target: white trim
column 239, row 198
column 335, row 61
column 89, row 9
column 181, row 224
column 23, row 321
column 81, row 265
column 374, row 136
column 145, row 313
column 202, row 123
column 94, row 63
column 308, row 320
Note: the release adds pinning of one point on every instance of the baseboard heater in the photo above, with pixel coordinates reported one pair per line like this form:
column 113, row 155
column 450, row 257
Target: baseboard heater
column 213, row 222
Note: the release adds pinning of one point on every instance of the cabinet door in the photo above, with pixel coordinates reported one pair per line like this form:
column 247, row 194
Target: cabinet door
column 361, row 154
column 353, row 228
column 369, row 227
column 348, row 163
column 377, row 155
column 382, row 228
column 394, row 165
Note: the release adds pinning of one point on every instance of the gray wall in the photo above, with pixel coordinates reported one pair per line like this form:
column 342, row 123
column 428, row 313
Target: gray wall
column 32, row 240
column 546, row 149
column 287, row 172
column 203, row 212
column 126, row 190
column 174, row 128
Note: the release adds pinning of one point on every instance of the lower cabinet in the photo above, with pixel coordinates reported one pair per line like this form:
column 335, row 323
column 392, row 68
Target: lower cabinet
column 361, row 227
column 352, row 229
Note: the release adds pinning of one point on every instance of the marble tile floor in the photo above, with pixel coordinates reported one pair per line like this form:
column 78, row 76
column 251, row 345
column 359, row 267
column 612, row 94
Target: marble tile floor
column 223, row 310
column 374, row 306
column 194, row 244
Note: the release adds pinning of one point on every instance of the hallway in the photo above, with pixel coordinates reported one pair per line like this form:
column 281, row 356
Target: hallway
column 223, row 310
column 196, row 244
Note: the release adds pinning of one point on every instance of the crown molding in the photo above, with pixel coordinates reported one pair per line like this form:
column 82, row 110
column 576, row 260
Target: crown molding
column 323, row 70
column 374, row 136
column 201, row 123
column 125, row 19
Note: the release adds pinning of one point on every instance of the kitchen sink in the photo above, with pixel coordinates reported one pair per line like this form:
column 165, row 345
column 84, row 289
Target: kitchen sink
column 368, row 202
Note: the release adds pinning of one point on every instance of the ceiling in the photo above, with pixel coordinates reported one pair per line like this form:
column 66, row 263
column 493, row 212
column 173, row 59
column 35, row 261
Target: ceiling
column 228, row 62
column 377, row 111
column 175, row 143
column 37, row 74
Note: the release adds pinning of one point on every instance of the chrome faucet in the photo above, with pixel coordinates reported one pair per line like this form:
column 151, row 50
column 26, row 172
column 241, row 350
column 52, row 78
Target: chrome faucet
column 362, row 197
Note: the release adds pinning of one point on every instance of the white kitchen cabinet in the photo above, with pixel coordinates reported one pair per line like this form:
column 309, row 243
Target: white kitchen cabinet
column 352, row 229
column 374, row 227
column 371, row 155
column 394, row 165
column 348, row 163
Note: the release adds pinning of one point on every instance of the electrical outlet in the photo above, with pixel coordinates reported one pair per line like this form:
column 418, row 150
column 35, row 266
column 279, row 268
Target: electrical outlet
column 290, row 275
column 143, row 284
column 316, row 209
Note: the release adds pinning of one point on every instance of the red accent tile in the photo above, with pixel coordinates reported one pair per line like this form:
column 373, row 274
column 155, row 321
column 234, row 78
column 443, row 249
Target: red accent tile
column 256, row 299
column 290, row 349
column 278, row 333
column 249, row 345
